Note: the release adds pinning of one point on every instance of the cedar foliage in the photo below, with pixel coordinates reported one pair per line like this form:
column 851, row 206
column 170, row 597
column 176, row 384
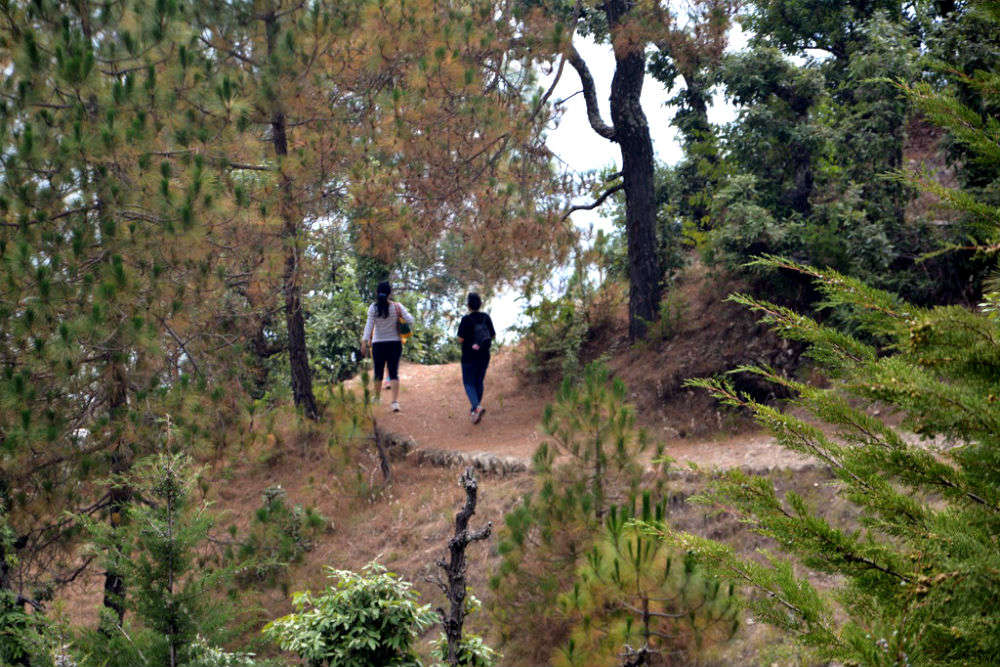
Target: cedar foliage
column 920, row 564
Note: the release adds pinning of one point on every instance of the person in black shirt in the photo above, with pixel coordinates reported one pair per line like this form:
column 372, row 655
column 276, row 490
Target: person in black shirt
column 476, row 334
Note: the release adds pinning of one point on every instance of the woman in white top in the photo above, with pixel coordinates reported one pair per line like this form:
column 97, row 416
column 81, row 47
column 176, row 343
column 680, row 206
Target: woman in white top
column 382, row 331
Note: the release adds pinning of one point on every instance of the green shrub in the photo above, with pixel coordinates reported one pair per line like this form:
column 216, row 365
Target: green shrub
column 473, row 652
column 365, row 619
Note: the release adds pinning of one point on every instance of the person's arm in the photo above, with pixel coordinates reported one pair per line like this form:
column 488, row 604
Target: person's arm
column 493, row 332
column 366, row 337
column 461, row 330
column 404, row 313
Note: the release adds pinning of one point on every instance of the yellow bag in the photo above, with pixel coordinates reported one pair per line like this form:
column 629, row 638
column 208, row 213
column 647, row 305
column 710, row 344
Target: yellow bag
column 402, row 326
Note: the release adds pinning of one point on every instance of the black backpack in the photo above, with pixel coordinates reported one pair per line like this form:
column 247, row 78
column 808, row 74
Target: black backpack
column 481, row 334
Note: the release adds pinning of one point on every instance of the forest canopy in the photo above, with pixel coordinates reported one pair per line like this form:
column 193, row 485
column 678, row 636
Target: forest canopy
column 198, row 198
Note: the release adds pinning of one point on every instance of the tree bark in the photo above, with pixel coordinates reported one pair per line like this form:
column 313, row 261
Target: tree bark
column 298, row 353
column 630, row 130
column 455, row 568
column 632, row 135
column 262, row 351
column 799, row 199
column 121, row 493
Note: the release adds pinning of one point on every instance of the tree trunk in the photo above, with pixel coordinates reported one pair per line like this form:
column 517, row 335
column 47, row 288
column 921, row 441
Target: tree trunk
column 262, row 351
column 298, row 353
column 632, row 135
column 454, row 569
column 120, row 494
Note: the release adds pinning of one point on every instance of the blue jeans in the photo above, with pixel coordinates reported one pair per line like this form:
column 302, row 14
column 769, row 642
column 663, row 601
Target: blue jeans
column 473, row 374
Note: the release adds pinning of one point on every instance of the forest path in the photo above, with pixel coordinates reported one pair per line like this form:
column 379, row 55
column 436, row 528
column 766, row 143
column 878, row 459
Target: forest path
column 435, row 416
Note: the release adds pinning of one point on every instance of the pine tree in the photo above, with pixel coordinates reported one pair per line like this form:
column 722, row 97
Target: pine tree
column 919, row 566
column 632, row 28
column 591, row 460
column 425, row 148
column 107, row 209
column 641, row 600
column 592, row 423
column 152, row 226
column 172, row 584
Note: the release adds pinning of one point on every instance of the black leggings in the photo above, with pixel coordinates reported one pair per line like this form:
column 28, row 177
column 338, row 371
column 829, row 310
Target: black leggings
column 387, row 353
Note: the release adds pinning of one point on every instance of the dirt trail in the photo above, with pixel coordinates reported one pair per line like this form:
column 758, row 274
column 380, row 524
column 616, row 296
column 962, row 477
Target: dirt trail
column 435, row 415
column 435, row 411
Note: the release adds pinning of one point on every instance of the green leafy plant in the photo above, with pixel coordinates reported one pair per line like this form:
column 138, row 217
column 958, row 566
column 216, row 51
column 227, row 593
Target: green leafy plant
column 367, row 618
column 204, row 654
column 473, row 652
column 558, row 326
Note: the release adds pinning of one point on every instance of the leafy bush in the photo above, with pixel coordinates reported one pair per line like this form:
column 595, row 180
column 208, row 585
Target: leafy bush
column 333, row 328
column 204, row 654
column 558, row 326
column 433, row 340
column 554, row 336
column 473, row 652
column 364, row 619
column 837, row 233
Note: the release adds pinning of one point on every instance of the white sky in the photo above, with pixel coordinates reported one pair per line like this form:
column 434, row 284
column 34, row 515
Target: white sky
column 576, row 144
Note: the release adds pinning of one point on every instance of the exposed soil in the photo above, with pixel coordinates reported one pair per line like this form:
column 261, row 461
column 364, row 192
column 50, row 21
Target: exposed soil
column 435, row 410
column 435, row 415
column 703, row 335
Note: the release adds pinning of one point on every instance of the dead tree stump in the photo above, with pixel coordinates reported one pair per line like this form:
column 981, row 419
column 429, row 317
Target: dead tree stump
column 453, row 586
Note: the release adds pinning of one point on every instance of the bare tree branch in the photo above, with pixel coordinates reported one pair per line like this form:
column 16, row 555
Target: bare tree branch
column 589, row 94
column 456, row 567
column 597, row 202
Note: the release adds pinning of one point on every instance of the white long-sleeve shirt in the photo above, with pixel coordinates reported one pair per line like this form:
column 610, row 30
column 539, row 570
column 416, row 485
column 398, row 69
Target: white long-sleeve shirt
column 384, row 328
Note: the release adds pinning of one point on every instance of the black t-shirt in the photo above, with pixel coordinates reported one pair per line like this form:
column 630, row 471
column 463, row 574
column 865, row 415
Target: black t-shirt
column 466, row 331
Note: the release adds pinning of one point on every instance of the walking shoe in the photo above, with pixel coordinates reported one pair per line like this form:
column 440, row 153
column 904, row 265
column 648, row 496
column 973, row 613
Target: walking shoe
column 478, row 414
column 388, row 384
column 472, row 415
column 395, row 406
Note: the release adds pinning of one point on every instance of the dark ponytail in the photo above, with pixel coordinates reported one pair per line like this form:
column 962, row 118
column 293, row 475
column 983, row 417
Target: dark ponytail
column 382, row 298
